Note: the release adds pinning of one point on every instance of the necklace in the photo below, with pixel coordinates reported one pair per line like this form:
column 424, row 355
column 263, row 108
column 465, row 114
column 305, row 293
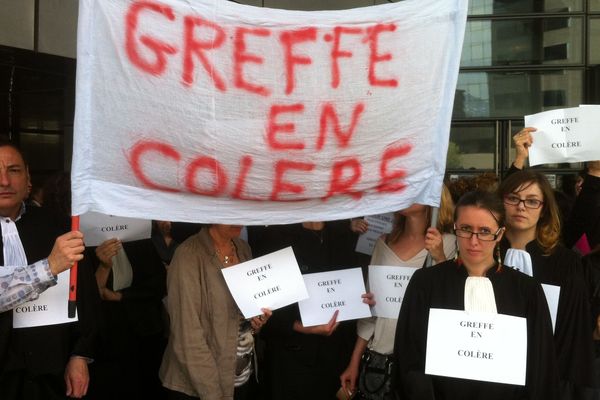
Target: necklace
column 227, row 258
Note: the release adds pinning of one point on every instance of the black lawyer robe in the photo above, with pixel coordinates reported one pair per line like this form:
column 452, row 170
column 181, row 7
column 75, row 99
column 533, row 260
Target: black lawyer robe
column 574, row 323
column 442, row 286
column 45, row 350
column 306, row 366
column 585, row 215
column 132, row 337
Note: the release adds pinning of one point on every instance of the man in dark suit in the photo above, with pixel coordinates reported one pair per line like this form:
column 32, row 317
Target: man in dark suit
column 42, row 362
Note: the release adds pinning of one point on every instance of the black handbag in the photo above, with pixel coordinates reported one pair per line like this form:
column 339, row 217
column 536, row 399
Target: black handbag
column 375, row 378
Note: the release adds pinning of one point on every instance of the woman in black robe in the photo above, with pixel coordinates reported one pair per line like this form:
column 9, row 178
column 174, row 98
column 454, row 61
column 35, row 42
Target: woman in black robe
column 533, row 227
column 306, row 362
column 479, row 227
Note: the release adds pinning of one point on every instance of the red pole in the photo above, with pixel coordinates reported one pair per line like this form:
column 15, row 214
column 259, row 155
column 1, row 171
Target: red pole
column 73, row 275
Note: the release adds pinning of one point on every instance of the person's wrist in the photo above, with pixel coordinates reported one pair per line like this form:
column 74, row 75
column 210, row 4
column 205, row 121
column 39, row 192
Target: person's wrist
column 53, row 265
column 105, row 265
column 519, row 163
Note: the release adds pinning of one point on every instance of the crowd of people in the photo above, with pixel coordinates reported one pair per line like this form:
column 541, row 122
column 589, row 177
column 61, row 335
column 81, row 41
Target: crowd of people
column 155, row 318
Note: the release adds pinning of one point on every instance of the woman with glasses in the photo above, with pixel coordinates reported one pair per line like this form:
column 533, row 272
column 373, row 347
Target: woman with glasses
column 474, row 282
column 407, row 245
column 531, row 245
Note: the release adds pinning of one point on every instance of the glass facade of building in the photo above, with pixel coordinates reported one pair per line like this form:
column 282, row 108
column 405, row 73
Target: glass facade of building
column 520, row 57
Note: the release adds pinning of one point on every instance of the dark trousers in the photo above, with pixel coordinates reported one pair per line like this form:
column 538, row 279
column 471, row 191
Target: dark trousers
column 20, row 385
column 132, row 375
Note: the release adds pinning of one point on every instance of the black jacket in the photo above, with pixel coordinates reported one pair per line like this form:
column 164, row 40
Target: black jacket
column 47, row 349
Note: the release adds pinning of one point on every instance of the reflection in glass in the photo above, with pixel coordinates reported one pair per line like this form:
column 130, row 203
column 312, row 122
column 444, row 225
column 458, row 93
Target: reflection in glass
column 43, row 150
column 485, row 7
column 594, row 40
column 523, row 42
column 594, row 5
column 508, row 94
column 41, row 110
column 471, row 147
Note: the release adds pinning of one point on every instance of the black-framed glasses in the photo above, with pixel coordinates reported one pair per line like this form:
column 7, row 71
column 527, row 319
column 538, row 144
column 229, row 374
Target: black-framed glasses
column 483, row 236
column 513, row 200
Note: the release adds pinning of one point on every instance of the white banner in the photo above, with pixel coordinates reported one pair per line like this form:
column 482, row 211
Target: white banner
column 211, row 111
column 388, row 284
column 330, row 291
column 271, row 281
column 479, row 346
column 565, row 135
column 97, row 228
column 378, row 225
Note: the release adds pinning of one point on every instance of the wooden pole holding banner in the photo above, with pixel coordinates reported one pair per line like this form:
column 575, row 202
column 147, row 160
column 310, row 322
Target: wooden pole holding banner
column 434, row 219
column 73, row 275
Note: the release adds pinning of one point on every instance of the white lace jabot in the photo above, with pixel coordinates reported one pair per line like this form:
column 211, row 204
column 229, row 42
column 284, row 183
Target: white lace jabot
column 479, row 295
column 519, row 260
column 14, row 254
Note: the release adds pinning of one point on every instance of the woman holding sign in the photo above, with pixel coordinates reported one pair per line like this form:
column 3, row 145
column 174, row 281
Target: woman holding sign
column 479, row 284
column 211, row 345
column 304, row 362
column 407, row 245
column 531, row 245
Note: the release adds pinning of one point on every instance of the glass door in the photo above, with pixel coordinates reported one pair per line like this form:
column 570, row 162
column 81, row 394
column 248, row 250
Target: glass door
column 473, row 148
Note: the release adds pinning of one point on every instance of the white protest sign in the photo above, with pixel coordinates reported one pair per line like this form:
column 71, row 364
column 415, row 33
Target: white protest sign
column 388, row 284
column 97, row 228
column 479, row 346
column 271, row 281
column 218, row 112
column 50, row 308
column 378, row 225
column 330, row 291
column 565, row 135
column 552, row 293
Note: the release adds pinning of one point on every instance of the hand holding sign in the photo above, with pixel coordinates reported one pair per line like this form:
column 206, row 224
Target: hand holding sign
column 323, row 330
column 369, row 298
column 376, row 225
column 68, row 248
column 523, row 141
column 272, row 281
column 359, row 225
column 434, row 244
column 107, row 250
column 565, row 135
column 333, row 290
column 258, row 321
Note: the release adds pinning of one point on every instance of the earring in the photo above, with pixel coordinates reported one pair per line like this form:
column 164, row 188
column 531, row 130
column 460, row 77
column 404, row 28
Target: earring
column 498, row 257
column 457, row 258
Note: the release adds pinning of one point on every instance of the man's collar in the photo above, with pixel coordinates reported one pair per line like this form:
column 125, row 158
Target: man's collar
column 22, row 211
